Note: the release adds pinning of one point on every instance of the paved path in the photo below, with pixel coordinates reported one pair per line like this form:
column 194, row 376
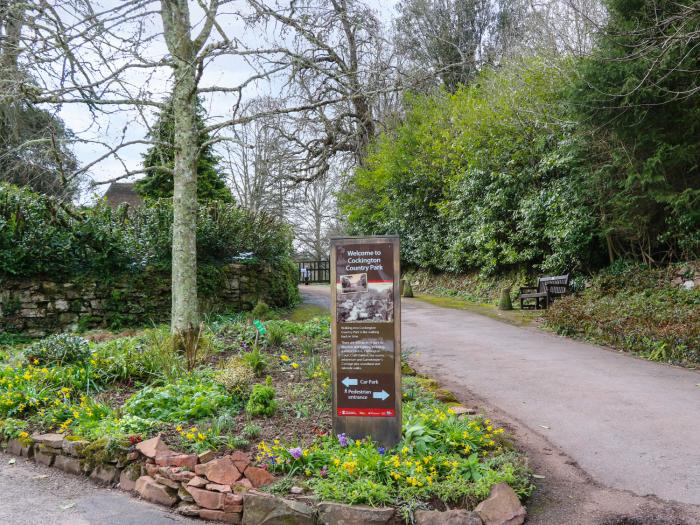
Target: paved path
column 32, row 494
column 631, row 424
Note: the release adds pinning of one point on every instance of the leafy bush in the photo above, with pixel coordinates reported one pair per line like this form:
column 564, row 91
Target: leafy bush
column 38, row 235
column 189, row 399
column 262, row 400
column 637, row 309
column 147, row 357
column 236, row 376
column 261, row 310
column 276, row 335
column 59, row 349
column 440, row 457
column 256, row 360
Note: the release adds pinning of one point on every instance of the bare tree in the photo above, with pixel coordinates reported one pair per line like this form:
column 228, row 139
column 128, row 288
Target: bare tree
column 132, row 55
column 454, row 39
column 334, row 51
column 314, row 216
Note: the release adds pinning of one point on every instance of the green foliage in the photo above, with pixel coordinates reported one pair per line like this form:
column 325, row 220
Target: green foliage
column 638, row 90
column 519, row 172
column 637, row 309
column 34, row 151
column 160, row 161
column 276, row 335
column 440, row 457
column 236, row 376
column 251, row 431
column 59, row 349
column 256, row 361
column 262, row 400
column 149, row 357
column 191, row 398
column 40, row 236
column 11, row 428
column 261, row 310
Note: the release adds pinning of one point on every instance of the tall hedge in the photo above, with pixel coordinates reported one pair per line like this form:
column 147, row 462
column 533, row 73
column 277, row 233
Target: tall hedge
column 40, row 236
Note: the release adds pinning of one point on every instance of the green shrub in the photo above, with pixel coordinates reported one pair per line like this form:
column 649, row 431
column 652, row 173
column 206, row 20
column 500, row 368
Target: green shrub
column 38, row 236
column 262, row 400
column 59, row 349
column 150, row 356
column 236, row 376
column 261, row 310
column 189, row 399
column 256, row 360
column 637, row 309
column 251, row 431
column 276, row 335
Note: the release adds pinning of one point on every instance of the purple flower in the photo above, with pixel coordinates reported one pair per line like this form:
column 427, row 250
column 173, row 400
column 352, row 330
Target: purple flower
column 295, row 452
column 343, row 440
column 324, row 472
column 381, row 450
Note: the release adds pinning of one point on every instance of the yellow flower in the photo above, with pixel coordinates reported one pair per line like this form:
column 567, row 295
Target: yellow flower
column 404, row 450
column 23, row 435
column 178, row 428
column 35, row 361
column 201, row 437
column 189, row 435
column 336, row 462
column 295, row 365
column 284, row 357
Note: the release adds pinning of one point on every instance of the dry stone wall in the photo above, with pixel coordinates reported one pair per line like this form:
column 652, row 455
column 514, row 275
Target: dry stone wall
column 39, row 306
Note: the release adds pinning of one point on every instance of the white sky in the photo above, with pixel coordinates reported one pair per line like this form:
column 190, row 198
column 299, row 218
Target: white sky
column 225, row 71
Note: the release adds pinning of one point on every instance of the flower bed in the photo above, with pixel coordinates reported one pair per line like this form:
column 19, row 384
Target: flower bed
column 266, row 397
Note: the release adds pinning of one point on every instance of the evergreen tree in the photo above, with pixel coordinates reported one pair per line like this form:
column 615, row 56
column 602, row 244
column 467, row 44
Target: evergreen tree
column 158, row 182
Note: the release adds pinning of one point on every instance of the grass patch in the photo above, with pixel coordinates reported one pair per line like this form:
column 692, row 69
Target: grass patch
column 306, row 312
column 514, row 317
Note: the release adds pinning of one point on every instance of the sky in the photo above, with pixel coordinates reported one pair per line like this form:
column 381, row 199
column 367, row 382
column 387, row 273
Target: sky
column 128, row 125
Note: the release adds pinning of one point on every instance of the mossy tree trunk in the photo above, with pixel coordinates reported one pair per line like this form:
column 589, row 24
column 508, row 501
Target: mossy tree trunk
column 183, row 50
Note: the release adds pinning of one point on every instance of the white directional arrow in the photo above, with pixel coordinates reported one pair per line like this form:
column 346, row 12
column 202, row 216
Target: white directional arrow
column 380, row 395
column 349, row 382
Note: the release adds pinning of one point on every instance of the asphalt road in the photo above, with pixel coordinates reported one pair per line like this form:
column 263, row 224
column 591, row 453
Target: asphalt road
column 31, row 494
column 631, row 424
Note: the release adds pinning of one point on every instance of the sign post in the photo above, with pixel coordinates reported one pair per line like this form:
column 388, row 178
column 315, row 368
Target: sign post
column 366, row 336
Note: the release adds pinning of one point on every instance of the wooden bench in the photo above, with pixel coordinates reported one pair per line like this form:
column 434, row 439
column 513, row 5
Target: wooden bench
column 548, row 288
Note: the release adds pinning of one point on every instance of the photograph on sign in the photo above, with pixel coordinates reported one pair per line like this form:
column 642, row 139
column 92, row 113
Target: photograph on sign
column 376, row 304
column 353, row 283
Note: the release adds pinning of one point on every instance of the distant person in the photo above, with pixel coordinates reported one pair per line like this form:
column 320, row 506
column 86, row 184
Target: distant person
column 305, row 275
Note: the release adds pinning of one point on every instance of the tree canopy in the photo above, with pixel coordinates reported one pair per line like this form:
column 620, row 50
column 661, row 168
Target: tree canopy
column 159, row 161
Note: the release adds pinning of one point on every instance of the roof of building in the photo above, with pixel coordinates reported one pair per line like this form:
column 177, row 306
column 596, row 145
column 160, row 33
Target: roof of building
column 122, row 192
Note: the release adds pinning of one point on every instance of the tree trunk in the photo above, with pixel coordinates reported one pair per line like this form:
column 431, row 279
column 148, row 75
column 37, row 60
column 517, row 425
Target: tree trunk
column 185, row 311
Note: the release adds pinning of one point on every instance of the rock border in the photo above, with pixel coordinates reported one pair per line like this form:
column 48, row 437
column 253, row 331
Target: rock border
column 223, row 489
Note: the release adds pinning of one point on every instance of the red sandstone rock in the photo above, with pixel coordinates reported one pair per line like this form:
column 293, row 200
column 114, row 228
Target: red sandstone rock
column 176, row 473
column 221, row 471
column 154, row 492
column 502, row 507
column 167, row 482
column 197, row 482
column 207, row 498
column 177, row 460
column 152, row 447
column 220, row 515
column 233, row 503
column 218, row 488
column 242, row 485
column 240, row 459
column 258, row 476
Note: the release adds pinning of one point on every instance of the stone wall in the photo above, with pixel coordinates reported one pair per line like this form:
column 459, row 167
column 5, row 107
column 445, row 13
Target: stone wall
column 37, row 306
